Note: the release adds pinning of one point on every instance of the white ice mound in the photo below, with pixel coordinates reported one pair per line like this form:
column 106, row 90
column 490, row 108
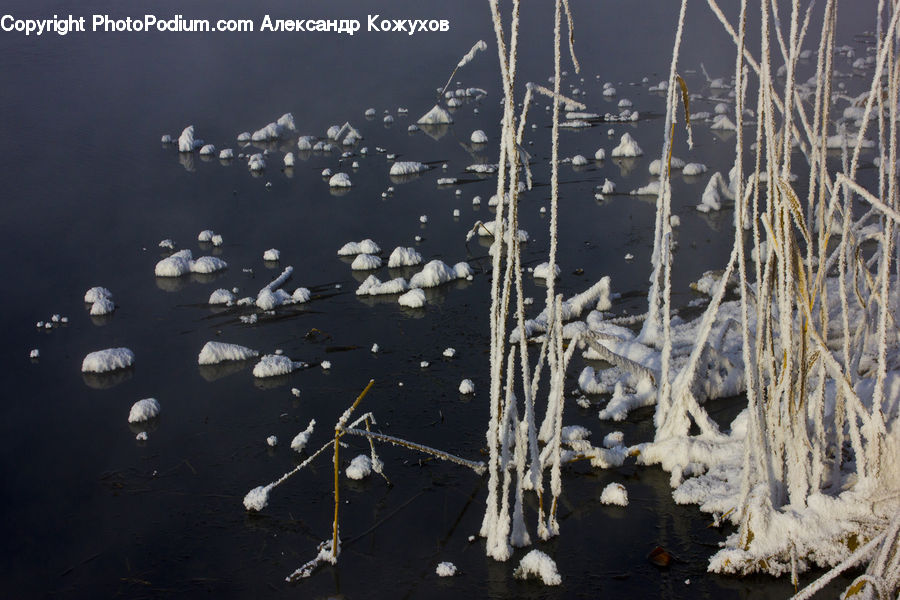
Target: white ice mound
column 272, row 365
column 226, row 154
column 221, row 296
column 289, row 159
column 215, row 352
column 404, row 257
column 103, row 306
column 360, row 467
column 339, row 180
column 716, row 189
column 478, row 137
column 96, row 293
column 608, row 187
column 207, row 264
column 654, row 167
column 693, row 169
column 445, row 569
column 186, row 139
column 412, row 299
column 206, row 235
column 373, row 286
column 103, row 361
column 435, row 116
column 182, row 263
column 542, row 271
column 143, row 410
column 614, row 493
column 539, row 565
column 438, row 272
column 257, row 162
column 407, row 167
column 174, row 266
column 207, row 150
column 723, row 123
column 365, row 262
column 257, row 498
column 366, row 246
column 466, row 387
column 302, row 439
column 272, row 254
column 627, row 147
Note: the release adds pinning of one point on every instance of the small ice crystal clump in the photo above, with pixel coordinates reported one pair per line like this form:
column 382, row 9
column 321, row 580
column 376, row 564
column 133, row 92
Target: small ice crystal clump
column 144, row 410
column 479, row 137
column 446, row 569
column 360, row 467
column 271, row 254
column 539, row 565
column 365, row 262
column 579, row 160
column 614, row 493
column 96, row 293
column 375, row 348
column 627, row 147
column 302, row 439
column 339, row 180
column 366, row 246
column 257, row 498
column 35, row 353
column 326, row 364
column 272, row 440
column 450, row 352
column 412, row 299
column 110, row 359
column 466, row 387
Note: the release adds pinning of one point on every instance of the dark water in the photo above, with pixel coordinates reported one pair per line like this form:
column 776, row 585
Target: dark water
column 88, row 192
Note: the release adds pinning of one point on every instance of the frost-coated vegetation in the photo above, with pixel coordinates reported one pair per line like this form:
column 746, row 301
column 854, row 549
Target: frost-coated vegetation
column 809, row 471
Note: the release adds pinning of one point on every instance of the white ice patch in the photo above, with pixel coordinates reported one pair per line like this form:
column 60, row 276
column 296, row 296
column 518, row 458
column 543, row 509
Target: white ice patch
column 339, row 180
column 627, row 147
column 539, row 565
column 214, row 353
column 103, row 361
column 365, row 262
column 466, row 386
column 272, row 254
column 207, row 150
column 445, row 569
column 404, row 257
column 693, row 168
column 435, row 116
column 373, row 286
column 412, row 299
column 96, row 293
column 438, row 272
column 366, row 246
column 257, row 498
column 408, row 167
column 186, row 139
column 221, row 296
column 542, row 271
column 143, row 410
column 360, row 467
column 676, row 163
column 226, row 154
column 273, row 365
column 302, row 439
column 102, row 306
column 478, row 137
column 614, row 493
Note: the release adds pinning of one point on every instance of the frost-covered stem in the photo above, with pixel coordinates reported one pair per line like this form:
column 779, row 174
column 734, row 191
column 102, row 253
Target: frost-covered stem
column 338, row 432
column 851, row 561
column 478, row 467
column 554, row 159
column 650, row 331
column 556, row 399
